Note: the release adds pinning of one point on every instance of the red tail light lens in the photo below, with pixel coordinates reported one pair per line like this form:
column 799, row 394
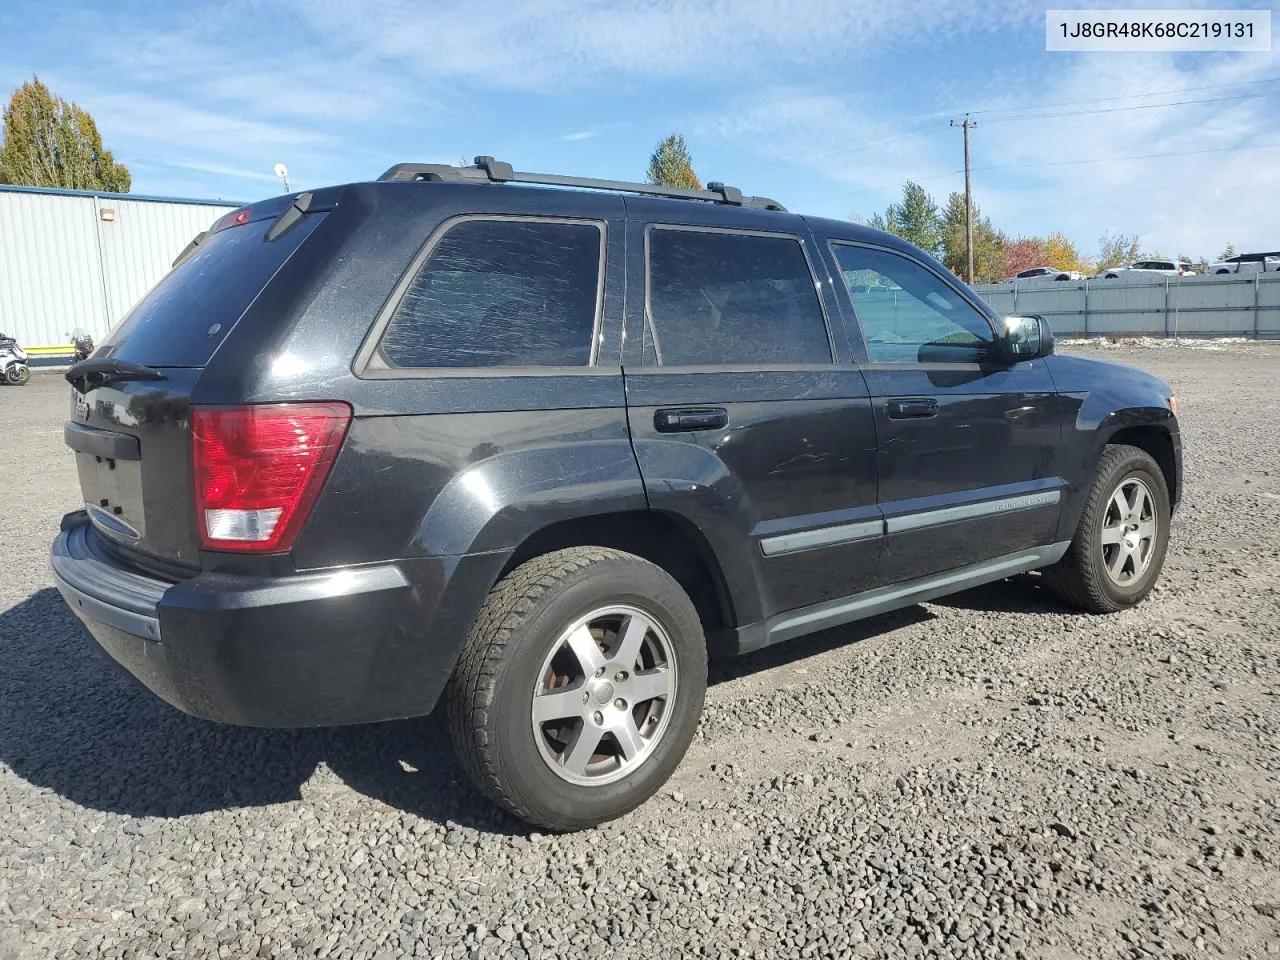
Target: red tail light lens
column 259, row 469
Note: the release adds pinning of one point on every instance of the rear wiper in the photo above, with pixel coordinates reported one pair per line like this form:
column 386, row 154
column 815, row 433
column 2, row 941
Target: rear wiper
column 91, row 373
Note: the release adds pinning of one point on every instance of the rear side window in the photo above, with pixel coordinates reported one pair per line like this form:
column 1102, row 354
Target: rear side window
column 501, row 293
column 731, row 298
column 190, row 312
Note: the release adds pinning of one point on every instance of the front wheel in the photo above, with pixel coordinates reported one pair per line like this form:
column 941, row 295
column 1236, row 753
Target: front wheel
column 1119, row 546
column 18, row 374
column 580, row 687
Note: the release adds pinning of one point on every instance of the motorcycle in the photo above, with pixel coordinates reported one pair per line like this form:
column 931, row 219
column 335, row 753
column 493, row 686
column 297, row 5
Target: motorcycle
column 13, row 362
column 83, row 344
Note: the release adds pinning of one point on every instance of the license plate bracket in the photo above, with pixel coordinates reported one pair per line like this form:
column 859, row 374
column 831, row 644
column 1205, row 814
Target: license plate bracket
column 113, row 495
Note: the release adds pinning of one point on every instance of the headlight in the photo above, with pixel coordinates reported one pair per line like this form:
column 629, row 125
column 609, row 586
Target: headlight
column 1173, row 405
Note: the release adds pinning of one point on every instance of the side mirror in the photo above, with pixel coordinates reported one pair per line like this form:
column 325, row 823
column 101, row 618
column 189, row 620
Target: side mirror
column 1026, row 338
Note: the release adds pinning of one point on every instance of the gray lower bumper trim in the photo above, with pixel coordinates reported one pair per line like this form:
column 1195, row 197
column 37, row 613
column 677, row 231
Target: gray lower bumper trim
column 796, row 623
column 821, row 537
column 970, row 511
column 91, row 608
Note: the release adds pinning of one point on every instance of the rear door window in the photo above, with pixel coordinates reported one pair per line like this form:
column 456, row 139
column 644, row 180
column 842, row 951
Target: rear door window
column 502, row 293
column 190, row 312
column 722, row 298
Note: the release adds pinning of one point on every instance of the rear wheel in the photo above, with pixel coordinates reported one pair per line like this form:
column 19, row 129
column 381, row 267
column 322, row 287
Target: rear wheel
column 1119, row 546
column 580, row 688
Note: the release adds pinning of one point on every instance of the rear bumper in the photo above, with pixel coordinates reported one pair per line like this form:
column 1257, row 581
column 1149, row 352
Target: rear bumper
column 350, row 645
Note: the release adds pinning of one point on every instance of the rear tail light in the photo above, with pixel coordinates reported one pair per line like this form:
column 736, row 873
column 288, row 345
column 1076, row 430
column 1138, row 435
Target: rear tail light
column 259, row 469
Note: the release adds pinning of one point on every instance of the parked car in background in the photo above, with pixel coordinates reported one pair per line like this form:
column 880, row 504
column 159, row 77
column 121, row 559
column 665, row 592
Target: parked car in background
column 1174, row 268
column 1248, row 263
column 1045, row 273
column 537, row 453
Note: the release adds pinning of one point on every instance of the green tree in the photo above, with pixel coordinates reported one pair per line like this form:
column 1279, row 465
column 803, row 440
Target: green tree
column 671, row 165
column 988, row 243
column 1228, row 253
column 915, row 219
column 50, row 142
column 1117, row 250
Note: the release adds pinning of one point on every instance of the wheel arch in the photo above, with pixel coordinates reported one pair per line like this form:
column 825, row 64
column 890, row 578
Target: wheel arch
column 665, row 539
column 1156, row 440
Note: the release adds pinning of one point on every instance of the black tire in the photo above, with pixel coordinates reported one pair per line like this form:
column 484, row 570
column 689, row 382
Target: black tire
column 21, row 376
column 1080, row 578
column 490, row 696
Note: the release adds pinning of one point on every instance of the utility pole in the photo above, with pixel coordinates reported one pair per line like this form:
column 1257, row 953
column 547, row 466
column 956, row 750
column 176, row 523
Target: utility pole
column 966, row 124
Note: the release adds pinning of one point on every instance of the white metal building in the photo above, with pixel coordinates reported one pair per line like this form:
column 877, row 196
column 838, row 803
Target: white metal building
column 70, row 258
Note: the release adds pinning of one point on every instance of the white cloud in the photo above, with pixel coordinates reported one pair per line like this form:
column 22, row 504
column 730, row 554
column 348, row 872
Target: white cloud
column 1210, row 190
column 324, row 85
column 1026, row 177
column 538, row 44
column 852, row 151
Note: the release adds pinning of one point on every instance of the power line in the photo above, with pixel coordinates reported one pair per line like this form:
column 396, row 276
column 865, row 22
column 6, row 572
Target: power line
column 1132, row 96
column 1056, row 163
column 894, row 136
column 1141, row 106
column 1141, row 156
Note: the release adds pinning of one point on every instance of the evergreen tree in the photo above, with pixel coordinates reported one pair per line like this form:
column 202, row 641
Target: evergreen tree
column 50, row 142
column 671, row 165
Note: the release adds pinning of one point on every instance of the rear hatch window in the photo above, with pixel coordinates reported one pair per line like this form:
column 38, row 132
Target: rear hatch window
column 185, row 317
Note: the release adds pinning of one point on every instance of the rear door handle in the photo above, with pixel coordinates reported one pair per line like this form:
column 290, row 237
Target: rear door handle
column 690, row 418
column 912, row 408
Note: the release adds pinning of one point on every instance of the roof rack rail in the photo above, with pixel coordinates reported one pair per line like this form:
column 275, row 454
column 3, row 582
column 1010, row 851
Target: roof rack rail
column 489, row 170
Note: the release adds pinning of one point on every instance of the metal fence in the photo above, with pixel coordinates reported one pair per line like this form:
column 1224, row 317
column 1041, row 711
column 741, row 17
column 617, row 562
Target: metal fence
column 1151, row 305
column 73, row 260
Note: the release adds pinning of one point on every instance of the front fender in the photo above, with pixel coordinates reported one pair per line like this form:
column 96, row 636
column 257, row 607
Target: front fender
column 1101, row 399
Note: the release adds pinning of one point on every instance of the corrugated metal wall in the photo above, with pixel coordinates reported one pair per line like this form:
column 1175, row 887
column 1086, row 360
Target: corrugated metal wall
column 1151, row 305
column 62, row 266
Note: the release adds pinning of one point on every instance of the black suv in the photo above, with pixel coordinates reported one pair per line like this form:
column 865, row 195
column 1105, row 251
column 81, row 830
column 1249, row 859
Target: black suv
column 538, row 451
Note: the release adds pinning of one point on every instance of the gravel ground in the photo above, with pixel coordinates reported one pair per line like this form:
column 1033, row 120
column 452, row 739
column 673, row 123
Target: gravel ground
column 986, row 776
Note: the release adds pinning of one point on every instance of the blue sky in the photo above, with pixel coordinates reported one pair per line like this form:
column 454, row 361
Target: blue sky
column 826, row 105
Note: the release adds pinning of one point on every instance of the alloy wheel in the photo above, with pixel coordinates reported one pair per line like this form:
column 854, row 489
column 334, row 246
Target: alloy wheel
column 1129, row 530
column 604, row 695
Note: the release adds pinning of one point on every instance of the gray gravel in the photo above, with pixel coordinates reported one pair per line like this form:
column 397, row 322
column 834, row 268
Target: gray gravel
column 986, row 776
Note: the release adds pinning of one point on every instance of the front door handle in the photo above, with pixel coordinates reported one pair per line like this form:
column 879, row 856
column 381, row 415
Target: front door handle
column 672, row 420
column 910, row 408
